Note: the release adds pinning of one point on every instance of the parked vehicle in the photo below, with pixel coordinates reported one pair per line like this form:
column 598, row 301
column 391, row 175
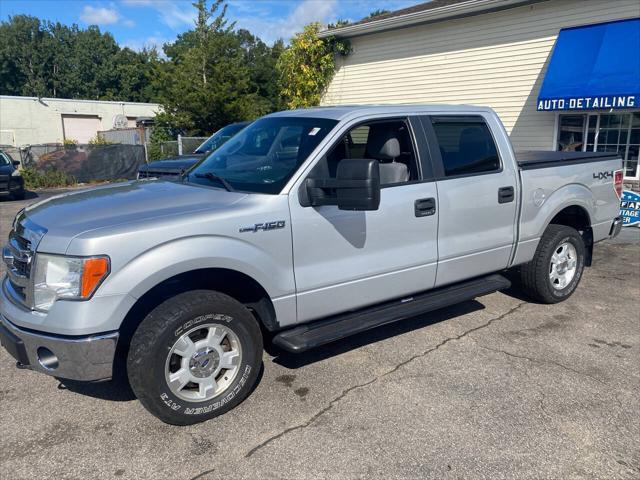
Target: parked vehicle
column 173, row 167
column 11, row 181
column 311, row 225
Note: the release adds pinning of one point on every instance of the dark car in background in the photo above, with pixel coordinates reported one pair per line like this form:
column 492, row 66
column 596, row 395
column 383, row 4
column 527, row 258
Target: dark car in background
column 11, row 181
column 173, row 167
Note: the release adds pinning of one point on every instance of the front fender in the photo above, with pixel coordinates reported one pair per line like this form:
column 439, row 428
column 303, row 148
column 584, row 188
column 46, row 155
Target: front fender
column 178, row 256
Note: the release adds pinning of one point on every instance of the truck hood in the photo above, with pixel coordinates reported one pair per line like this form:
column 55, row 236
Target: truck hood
column 69, row 215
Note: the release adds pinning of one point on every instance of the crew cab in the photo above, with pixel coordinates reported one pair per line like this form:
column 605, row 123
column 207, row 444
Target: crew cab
column 304, row 228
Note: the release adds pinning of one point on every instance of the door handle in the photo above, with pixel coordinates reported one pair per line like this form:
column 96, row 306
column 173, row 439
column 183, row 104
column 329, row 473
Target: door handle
column 425, row 207
column 506, row 194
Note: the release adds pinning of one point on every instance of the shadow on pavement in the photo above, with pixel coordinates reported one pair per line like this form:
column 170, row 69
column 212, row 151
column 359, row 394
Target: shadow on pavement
column 293, row 361
column 115, row 390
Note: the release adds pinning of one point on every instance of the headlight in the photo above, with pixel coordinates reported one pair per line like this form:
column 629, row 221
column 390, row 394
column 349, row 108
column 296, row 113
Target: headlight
column 70, row 278
column 16, row 173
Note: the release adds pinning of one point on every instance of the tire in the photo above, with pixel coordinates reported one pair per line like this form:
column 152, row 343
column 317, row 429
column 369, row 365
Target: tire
column 536, row 276
column 193, row 336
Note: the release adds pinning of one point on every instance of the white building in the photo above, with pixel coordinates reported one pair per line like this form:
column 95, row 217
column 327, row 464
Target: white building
column 498, row 53
column 32, row 121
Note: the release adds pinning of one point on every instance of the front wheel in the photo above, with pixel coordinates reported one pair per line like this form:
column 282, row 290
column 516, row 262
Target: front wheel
column 194, row 357
column 19, row 194
column 555, row 271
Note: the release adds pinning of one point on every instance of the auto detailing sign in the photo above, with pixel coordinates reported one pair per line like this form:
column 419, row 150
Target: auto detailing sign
column 630, row 208
column 589, row 103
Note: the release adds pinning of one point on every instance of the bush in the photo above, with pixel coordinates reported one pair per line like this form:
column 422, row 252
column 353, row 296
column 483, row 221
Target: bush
column 34, row 179
column 100, row 140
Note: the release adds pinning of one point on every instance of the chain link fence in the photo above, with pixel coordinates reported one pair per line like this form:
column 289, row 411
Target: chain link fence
column 182, row 146
column 189, row 144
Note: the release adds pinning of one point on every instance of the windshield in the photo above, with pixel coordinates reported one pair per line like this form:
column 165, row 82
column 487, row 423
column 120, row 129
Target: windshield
column 263, row 156
column 216, row 140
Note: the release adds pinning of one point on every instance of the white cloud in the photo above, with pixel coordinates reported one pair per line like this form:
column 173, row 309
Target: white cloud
column 103, row 16
column 175, row 15
column 270, row 29
column 99, row 16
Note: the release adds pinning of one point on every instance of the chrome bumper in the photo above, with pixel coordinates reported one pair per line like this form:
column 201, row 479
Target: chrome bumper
column 77, row 358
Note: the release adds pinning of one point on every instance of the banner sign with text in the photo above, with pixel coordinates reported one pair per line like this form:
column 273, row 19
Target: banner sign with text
column 630, row 208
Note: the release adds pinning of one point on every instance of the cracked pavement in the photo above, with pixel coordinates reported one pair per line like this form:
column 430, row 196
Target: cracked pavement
column 493, row 388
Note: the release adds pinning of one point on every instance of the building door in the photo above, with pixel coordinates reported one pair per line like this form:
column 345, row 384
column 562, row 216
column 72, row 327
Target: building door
column 80, row 128
column 344, row 260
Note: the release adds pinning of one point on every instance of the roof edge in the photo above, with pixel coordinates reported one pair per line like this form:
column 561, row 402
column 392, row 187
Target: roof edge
column 447, row 12
column 76, row 100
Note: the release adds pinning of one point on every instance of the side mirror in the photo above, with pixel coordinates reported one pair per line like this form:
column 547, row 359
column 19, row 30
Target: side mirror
column 356, row 186
column 16, row 163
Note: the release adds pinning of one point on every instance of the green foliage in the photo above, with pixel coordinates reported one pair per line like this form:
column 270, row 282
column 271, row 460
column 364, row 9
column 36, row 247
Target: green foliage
column 376, row 13
column 339, row 23
column 161, row 132
column 45, row 59
column 34, row 179
column 70, row 142
column 212, row 75
column 307, row 66
column 215, row 76
column 99, row 140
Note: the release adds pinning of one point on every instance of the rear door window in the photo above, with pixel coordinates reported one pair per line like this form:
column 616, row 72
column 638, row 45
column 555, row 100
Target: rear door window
column 466, row 146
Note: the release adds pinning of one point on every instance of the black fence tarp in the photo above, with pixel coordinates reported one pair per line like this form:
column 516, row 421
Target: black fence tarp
column 86, row 163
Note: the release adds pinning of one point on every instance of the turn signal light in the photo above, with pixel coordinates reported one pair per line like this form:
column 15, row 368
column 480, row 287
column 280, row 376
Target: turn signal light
column 95, row 269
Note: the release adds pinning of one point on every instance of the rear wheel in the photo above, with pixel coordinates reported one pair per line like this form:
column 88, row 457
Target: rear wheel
column 556, row 269
column 194, row 357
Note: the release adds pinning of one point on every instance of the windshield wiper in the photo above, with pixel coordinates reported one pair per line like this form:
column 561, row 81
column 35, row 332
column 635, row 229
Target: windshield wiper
column 213, row 177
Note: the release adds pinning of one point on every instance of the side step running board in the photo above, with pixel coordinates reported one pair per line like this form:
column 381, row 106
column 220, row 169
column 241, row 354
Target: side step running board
column 320, row 332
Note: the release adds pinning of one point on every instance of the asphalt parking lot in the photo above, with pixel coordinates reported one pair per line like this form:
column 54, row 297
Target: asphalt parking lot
column 493, row 388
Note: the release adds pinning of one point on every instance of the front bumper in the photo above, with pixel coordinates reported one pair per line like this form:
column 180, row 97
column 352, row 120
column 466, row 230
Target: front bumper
column 88, row 358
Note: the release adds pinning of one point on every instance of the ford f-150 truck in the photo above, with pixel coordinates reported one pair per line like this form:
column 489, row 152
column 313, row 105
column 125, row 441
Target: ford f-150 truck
column 306, row 227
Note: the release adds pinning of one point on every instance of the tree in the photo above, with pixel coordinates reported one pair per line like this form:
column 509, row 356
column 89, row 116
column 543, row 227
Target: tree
column 40, row 58
column 206, row 84
column 307, row 66
column 261, row 60
column 23, row 60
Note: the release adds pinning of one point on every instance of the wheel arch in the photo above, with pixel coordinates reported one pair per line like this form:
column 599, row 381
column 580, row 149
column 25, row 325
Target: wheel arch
column 236, row 284
column 577, row 217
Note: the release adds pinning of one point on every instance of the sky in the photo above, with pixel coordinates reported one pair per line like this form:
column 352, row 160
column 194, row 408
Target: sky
column 139, row 23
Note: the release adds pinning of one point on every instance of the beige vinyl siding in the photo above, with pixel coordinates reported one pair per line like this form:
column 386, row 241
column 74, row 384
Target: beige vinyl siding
column 495, row 59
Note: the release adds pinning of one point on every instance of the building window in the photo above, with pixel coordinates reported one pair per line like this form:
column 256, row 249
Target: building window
column 603, row 132
column 571, row 133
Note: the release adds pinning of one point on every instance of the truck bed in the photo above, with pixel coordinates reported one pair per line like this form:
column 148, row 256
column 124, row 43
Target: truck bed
column 528, row 160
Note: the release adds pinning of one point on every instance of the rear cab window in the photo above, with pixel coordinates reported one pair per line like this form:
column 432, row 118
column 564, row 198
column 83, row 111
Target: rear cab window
column 466, row 146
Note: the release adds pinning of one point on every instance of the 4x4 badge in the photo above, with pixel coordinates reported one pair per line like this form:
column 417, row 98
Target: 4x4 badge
column 264, row 226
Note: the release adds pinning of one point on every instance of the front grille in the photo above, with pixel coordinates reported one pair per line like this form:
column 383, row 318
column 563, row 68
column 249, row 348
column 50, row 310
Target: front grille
column 18, row 255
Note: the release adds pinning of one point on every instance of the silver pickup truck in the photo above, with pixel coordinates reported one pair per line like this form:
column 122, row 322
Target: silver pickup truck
column 308, row 226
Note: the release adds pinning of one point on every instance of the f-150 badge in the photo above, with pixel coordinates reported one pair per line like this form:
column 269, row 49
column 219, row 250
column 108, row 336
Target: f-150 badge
column 264, row 226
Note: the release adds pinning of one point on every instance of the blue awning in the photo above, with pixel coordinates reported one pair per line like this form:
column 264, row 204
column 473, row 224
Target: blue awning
column 594, row 67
